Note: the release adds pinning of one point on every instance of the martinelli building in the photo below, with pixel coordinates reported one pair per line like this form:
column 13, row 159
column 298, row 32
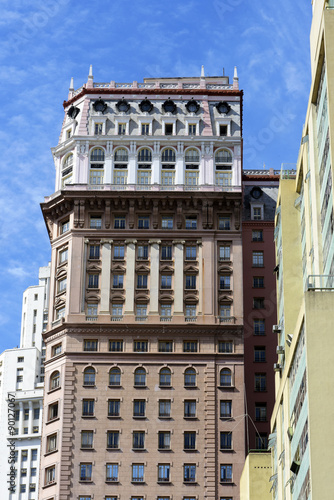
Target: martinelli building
column 144, row 383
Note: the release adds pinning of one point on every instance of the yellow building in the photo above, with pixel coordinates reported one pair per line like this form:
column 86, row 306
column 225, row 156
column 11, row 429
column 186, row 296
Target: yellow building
column 301, row 439
column 255, row 477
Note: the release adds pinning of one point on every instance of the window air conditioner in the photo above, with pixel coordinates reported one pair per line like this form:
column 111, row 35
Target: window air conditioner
column 280, row 349
column 276, row 329
column 295, row 466
column 277, row 367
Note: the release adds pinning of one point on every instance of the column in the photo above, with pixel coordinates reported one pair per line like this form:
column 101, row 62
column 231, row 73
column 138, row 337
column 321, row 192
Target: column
column 154, row 278
column 21, row 418
column 40, row 421
column 105, row 276
column 130, row 276
column 178, row 277
column 200, row 278
column 108, row 164
column 179, row 167
column 132, row 164
column 30, row 421
column 155, row 176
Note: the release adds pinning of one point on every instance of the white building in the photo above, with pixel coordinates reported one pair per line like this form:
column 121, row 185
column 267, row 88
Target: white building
column 21, row 398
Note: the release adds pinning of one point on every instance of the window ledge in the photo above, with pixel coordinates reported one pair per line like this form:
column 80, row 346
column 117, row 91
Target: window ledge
column 226, row 450
column 49, row 484
column 190, row 418
column 226, row 387
column 112, row 481
column 137, row 482
column 52, row 420
column 165, row 417
column 115, row 386
column 140, row 386
column 50, row 452
column 89, row 386
column 165, row 386
column 84, row 448
column 88, row 416
column 190, row 450
column 163, row 481
column 85, row 481
column 140, row 417
column 113, row 449
column 114, row 417
column 190, row 482
column 54, row 390
column 139, row 449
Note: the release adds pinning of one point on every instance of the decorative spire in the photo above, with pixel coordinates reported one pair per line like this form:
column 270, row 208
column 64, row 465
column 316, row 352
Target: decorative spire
column 202, row 72
column 90, row 77
column 235, row 79
column 71, row 85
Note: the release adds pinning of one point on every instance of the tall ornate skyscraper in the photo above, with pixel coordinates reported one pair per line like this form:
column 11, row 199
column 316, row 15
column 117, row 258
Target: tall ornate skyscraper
column 144, row 369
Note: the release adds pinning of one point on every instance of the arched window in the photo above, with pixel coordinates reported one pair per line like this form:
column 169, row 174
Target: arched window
column 168, row 156
column 223, row 156
column 54, row 380
column 192, row 155
column 192, row 168
column 140, row 377
column 115, row 376
column 190, row 377
column 121, row 155
column 225, row 377
column 89, row 376
column 145, row 155
column 165, row 377
column 96, row 166
column 67, row 170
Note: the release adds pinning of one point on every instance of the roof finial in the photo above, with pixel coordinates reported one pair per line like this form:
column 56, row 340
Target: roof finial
column 202, row 72
column 90, row 71
column 90, row 83
column 235, row 79
column 71, row 84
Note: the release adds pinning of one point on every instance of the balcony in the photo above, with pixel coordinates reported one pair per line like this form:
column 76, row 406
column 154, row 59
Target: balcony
column 165, row 318
column 190, row 319
column 116, row 318
column 320, row 282
column 227, row 319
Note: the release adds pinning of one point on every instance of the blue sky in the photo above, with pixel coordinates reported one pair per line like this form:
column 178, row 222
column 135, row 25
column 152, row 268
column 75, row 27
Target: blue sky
column 46, row 42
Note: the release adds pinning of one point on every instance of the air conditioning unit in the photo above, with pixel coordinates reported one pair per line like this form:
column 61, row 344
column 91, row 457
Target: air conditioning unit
column 280, row 349
column 277, row 367
column 295, row 466
column 276, row 329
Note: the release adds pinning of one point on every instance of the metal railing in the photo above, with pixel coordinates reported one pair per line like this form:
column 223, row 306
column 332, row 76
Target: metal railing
column 320, row 282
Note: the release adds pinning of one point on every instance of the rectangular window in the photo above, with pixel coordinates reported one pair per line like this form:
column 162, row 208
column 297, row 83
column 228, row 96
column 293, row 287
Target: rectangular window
column 50, row 475
column 35, row 429
column 222, row 130
column 113, row 439
column 226, row 347
column 190, row 312
column 139, row 406
column 143, row 222
column 53, row 411
column 17, row 415
column 33, row 472
column 261, row 441
column 191, row 178
column 138, row 473
column 92, row 310
column 95, row 222
column 119, row 222
column 145, row 129
column 224, row 252
column 257, row 259
column 94, row 252
column 114, row 407
column 190, row 408
column 167, row 178
column 20, row 359
column 226, row 440
column 224, row 223
column 192, row 129
column 64, row 227
column 26, row 414
column 88, row 407
column 191, row 222
column 142, row 252
column 117, row 312
column 140, row 346
column 85, row 472
column 164, row 408
column 190, row 441
column 167, row 222
column 116, row 345
column 190, row 346
column 164, row 440
column 51, row 443
column 112, row 473
column 23, row 472
column 24, row 455
column 259, row 354
column 138, row 440
column 118, row 281
column 259, row 327
column 257, row 235
column 63, row 256
column 23, row 488
column 226, row 473
column 163, row 473
column 260, row 412
column 260, row 382
column 258, row 282
column 166, row 312
column 225, row 282
column 33, row 455
column 98, row 129
column 90, row 345
column 166, row 252
column 166, row 282
column 224, row 311
column 168, row 129
column 87, row 439
column 225, row 409
column 189, row 473
column 121, row 128
column 118, row 252
column 56, row 350
column 141, row 312
column 190, row 282
column 258, row 303
column 165, row 346
column 93, row 281
column 257, row 213
column 142, row 281
column 191, row 252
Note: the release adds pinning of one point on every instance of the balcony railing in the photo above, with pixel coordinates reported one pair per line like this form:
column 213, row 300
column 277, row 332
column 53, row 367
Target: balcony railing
column 226, row 319
column 116, row 318
column 190, row 319
column 320, row 282
column 165, row 318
